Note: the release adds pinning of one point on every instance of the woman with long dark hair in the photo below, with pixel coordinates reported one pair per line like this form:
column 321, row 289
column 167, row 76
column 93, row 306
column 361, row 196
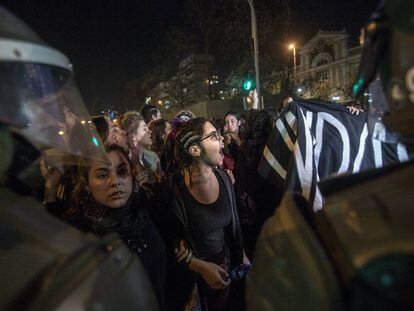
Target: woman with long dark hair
column 105, row 200
column 160, row 130
column 232, row 126
column 202, row 227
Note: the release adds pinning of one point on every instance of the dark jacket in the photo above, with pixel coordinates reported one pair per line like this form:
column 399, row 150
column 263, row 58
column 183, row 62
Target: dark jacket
column 134, row 226
column 169, row 213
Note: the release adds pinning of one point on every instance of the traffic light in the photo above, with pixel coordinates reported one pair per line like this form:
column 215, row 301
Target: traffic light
column 248, row 83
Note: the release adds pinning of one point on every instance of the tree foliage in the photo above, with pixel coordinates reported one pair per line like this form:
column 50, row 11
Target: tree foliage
column 222, row 29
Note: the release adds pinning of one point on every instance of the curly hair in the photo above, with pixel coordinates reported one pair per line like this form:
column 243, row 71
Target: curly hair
column 130, row 121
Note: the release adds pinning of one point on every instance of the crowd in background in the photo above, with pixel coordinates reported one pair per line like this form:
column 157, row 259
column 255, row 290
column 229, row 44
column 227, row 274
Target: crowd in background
column 184, row 195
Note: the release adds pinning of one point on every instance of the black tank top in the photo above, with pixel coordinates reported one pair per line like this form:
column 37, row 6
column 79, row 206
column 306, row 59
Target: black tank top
column 207, row 221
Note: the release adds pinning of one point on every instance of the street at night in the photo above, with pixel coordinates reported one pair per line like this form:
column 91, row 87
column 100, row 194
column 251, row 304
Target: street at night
column 206, row 155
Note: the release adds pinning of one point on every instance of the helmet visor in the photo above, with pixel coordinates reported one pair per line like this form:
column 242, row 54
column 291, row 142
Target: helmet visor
column 42, row 103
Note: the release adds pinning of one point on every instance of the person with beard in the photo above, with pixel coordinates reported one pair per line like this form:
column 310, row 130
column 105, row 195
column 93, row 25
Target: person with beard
column 146, row 162
column 104, row 200
column 197, row 217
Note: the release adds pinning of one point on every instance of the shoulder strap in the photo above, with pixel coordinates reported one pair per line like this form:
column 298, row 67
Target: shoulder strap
column 232, row 197
column 236, row 238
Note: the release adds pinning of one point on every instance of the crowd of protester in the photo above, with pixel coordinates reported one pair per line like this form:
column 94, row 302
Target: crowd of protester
column 184, row 195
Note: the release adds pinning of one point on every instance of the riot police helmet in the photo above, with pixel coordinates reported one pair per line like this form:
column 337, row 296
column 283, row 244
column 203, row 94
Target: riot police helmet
column 39, row 99
column 386, row 75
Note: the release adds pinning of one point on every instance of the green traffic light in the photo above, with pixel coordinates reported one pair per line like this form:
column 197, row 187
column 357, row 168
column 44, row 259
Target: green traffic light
column 247, row 85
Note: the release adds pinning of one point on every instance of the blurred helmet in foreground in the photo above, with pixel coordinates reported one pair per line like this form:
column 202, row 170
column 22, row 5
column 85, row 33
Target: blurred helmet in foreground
column 386, row 73
column 38, row 95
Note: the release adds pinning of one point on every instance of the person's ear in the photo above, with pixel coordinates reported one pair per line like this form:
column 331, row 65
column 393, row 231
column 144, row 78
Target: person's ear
column 195, row 150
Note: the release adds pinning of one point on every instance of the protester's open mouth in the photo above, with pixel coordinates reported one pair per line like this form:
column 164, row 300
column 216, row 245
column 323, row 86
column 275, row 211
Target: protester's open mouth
column 221, row 151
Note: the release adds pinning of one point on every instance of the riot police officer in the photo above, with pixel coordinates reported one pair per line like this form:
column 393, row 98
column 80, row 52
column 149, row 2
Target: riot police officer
column 45, row 264
column 357, row 253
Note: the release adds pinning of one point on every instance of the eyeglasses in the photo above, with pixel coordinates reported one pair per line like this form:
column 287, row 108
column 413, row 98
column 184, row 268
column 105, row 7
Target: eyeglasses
column 217, row 135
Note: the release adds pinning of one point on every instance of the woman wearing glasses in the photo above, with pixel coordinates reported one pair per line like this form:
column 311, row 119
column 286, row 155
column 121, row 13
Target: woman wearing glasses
column 202, row 226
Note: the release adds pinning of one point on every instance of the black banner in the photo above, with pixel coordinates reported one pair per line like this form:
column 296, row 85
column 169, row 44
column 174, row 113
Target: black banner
column 312, row 141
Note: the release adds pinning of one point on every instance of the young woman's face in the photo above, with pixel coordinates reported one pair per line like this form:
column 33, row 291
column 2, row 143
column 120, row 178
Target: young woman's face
column 111, row 185
column 167, row 131
column 232, row 124
column 142, row 136
column 211, row 145
column 117, row 136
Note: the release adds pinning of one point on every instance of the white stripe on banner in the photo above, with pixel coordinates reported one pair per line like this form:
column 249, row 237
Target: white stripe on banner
column 274, row 163
column 305, row 170
column 376, row 144
column 361, row 150
column 402, row 153
column 284, row 133
column 291, row 120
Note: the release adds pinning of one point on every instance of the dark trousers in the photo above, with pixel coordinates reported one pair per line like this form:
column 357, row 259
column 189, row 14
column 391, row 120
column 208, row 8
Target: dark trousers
column 211, row 299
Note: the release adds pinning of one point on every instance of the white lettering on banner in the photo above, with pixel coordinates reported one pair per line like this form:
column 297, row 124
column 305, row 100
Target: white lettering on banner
column 361, row 150
column 305, row 169
column 307, row 152
column 309, row 122
column 346, row 150
column 309, row 118
column 319, row 140
column 274, row 163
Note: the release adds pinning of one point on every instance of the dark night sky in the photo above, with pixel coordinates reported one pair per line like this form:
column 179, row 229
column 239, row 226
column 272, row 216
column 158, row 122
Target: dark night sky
column 110, row 42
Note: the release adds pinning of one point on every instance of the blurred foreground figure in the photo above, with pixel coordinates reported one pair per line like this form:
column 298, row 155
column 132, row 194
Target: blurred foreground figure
column 357, row 252
column 45, row 264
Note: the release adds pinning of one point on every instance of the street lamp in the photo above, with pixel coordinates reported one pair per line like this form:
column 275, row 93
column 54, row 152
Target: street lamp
column 293, row 47
column 256, row 51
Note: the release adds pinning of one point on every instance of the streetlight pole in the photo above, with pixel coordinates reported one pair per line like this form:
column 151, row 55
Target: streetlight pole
column 293, row 47
column 256, row 51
